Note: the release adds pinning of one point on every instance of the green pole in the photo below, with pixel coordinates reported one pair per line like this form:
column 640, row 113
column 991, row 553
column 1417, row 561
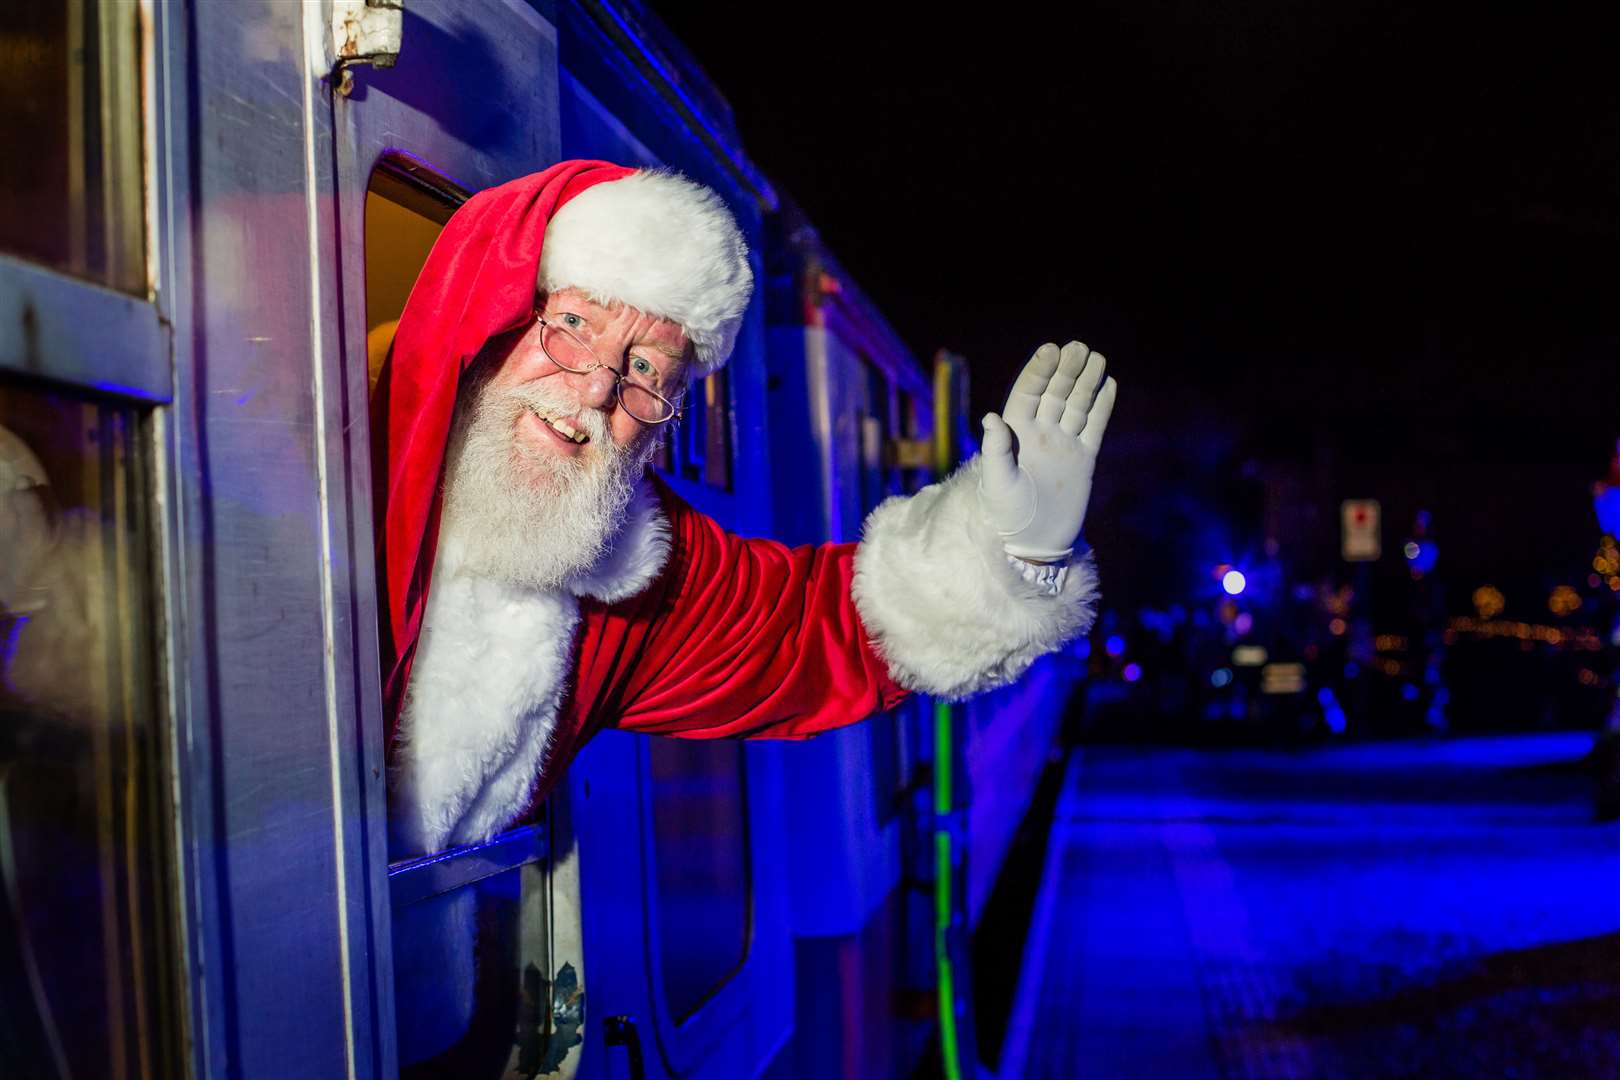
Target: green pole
column 944, row 765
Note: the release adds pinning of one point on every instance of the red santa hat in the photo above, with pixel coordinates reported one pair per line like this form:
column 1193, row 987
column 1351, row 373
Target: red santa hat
column 661, row 244
column 649, row 239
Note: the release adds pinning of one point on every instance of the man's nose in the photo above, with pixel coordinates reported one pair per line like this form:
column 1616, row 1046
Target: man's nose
column 595, row 388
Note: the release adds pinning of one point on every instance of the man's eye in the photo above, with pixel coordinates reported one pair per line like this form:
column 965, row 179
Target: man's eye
column 642, row 366
column 572, row 321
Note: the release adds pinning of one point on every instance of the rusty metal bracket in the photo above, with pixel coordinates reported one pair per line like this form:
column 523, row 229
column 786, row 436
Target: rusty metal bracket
column 364, row 32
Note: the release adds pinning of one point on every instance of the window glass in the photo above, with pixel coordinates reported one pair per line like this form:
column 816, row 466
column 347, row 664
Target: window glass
column 87, row 984
column 70, row 145
column 883, row 731
column 700, row 841
column 875, row 435
column 698, row 446
column 475, row 994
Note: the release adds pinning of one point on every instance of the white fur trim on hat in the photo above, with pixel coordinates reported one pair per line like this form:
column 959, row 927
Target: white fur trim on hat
column 661, row 244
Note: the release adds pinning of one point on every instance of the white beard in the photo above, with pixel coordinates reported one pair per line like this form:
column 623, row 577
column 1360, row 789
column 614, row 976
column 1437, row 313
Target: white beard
column 526, row 517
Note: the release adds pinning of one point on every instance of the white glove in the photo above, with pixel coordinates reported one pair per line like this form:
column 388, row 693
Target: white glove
column 1037, row 500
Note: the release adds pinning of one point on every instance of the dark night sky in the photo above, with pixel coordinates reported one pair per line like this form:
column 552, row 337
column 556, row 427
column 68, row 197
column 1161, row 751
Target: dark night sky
column 1385, row 231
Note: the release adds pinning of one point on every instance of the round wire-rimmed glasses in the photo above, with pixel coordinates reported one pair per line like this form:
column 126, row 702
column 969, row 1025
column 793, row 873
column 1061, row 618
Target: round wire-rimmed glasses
column 569, row 353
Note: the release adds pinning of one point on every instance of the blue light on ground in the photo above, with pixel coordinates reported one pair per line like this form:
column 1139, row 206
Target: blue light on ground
column 1233, row 582
column 1114, row 646
column 1220, row 677
column 1132, row 672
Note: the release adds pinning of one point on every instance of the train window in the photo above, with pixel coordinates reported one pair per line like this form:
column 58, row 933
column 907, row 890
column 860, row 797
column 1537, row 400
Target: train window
column 88, row 982
column 883, row 734
column 699, row 446
column 875, row 432
column 70, row 139
column 704, row 892
column 403, row 219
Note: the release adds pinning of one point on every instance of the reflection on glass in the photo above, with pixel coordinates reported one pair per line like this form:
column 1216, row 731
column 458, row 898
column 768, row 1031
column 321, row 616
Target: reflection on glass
column 70, row 144
column 700, row 839
column 87, row 986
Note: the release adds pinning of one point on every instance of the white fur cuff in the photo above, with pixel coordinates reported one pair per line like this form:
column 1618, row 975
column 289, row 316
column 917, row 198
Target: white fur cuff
column 944, row 608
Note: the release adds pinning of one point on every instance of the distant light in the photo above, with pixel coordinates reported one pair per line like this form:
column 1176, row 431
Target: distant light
column 1423, row 557
column 1593, row 580
column 1243, row 623
column 1409, row 692
column 1114, row 646
column 1337, row 627
column 1282, row 678
column 1233, row 582
column 1220, row 677
column 1132, row 672
column 1249, row 655
column 1352, row 670
column 1564, row 601
column 1489, row 601
column 1332, row 712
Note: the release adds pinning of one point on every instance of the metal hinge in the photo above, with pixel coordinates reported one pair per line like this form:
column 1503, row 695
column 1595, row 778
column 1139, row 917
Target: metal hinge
column 364, row 32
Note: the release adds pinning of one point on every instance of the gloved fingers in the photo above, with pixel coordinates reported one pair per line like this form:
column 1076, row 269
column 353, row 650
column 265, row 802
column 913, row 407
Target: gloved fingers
column 1071, row 363
column 1000, row 466
column 1031, row 384
column 1084, row 392
column 1097, row 421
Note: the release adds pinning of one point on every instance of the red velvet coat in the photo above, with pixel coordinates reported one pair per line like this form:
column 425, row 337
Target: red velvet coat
column 736, row 638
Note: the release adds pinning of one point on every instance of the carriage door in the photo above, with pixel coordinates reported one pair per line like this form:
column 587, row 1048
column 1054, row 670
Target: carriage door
column 482, row 948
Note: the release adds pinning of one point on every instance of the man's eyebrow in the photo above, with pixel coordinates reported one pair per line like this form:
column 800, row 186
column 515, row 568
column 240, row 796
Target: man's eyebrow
column 673, row 354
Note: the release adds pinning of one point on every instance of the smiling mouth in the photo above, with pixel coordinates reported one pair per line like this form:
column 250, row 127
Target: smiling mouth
column 562, row 426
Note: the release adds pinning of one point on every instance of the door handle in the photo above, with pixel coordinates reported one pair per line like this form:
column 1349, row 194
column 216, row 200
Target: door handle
column 621, row 1031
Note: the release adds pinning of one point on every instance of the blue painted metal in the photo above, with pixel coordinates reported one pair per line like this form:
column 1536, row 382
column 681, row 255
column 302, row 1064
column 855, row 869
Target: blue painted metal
column 432, row 875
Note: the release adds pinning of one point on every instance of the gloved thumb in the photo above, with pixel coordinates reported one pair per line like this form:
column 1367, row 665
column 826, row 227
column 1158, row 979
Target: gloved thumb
column 1000, row 466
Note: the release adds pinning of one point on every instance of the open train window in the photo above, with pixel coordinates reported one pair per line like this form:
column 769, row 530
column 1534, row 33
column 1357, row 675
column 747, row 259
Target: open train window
column 406, row 209
column 476, row 992
column 88, row 984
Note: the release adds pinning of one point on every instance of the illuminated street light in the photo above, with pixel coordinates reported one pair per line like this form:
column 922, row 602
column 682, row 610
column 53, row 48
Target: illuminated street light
column 1233, row 582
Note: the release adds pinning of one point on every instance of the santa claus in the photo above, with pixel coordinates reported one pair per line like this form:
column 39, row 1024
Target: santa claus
column 541, row 584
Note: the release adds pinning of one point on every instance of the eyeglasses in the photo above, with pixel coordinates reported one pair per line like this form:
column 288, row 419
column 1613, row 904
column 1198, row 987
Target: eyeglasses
column 568, row 352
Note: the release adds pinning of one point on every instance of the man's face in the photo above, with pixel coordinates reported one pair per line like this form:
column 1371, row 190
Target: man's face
column 524, row 502
column 642, row 348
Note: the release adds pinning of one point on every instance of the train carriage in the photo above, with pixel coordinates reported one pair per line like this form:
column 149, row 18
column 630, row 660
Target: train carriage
column 217, row 223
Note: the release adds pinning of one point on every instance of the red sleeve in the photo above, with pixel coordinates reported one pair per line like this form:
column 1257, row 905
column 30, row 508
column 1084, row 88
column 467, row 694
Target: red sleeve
column 735, row 638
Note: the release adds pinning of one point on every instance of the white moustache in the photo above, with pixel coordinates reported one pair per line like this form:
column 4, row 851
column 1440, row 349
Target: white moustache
column 556, row 403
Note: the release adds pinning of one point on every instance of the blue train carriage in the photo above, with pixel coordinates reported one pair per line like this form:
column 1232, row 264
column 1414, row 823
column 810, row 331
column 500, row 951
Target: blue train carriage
column 852, row 419
column 227, row 205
